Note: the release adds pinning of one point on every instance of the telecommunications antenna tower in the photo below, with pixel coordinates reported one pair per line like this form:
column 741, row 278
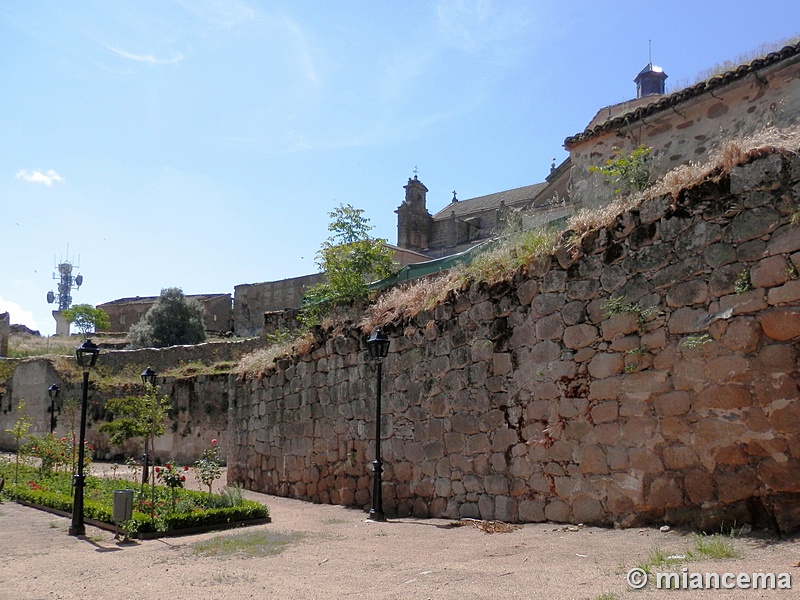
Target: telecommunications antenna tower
column 66, row 281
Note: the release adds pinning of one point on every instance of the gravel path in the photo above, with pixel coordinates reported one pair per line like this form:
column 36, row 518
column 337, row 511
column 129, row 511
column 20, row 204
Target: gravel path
column 330, row 552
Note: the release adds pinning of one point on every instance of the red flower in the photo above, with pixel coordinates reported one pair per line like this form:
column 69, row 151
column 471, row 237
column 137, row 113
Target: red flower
column 214, row 442
column 185, row 467
column 158, row 470
column 183, row 478
column 169, row 466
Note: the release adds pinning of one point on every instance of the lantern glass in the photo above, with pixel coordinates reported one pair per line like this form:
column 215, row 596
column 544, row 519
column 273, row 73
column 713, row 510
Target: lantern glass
column 53, row 391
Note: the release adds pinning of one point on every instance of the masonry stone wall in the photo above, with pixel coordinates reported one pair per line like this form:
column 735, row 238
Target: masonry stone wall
column 647, row 374
column 198, row 405
column 690, row 130
column 252, row 300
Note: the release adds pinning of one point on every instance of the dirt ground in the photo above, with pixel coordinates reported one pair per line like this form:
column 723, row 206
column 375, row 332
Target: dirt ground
column 331, row 552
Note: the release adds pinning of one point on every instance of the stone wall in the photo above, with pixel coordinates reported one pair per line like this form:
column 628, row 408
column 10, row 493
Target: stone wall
column 126, row 312
column 648, row 374
column 252, row 300
column 688, row 130
column 198, row 411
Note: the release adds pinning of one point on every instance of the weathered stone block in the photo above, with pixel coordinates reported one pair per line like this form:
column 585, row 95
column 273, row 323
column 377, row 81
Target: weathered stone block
column 605, row 412
column 549, row 327
column 605, row 389
column 531, row 511
column 784, row 240
column 699, row 486
column 593, row 461
column 527, row 290
column 697, row 237
column 606, row 365
column 758, row 175
column 580, row 336
column 770, row 272
column 687, row 320
column 679, row 457
column 612, row 278
column 504, row 438
column 717, row 255
column 687, row 294
column 587, row 509
column 665, row 491
column 619, row 325
column 654, row 209
column 744, row 303
column 672, row 403
column 751, row 224
column 781, row 324
column 789, row 293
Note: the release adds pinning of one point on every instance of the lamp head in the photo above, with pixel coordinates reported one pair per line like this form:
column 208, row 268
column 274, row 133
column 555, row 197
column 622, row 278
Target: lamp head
column 149, row 376
column 53, row 391
column 87, row 354
column 378, row 344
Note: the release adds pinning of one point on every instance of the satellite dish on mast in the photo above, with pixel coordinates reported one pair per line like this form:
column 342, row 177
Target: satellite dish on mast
column 79, row 280
column 51, row 297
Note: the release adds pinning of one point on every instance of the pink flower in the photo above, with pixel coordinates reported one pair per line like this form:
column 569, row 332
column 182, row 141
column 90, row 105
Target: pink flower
column 214, row 442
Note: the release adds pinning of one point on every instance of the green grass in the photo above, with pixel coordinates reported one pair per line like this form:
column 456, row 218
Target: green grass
column 334, row 521
column 716, row 546
column 706, row 547
column 248, row 545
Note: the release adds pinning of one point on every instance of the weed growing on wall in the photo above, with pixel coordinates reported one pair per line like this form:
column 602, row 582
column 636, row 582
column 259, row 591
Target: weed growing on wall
column 627, row 173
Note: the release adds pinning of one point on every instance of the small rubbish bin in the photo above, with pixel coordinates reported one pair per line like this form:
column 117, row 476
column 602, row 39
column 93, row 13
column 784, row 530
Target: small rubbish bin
column 123, row 505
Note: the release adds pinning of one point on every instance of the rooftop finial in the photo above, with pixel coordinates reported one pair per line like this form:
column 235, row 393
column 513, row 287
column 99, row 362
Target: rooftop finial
column 416, row 171
column 454, row 197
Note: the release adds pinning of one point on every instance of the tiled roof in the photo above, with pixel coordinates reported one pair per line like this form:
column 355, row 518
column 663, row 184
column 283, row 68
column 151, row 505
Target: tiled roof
column 685, row 94
column 467, row 208
column 152, row 299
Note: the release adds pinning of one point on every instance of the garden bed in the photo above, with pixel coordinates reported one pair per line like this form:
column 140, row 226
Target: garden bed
column 158, row 511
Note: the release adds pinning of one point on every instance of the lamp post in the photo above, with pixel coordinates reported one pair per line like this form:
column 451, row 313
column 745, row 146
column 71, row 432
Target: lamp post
column 87, row 357
column 149, row 381
column 378, row 345
column 53, row 391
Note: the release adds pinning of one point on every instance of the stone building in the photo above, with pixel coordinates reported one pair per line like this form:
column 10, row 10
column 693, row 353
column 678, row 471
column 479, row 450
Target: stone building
column 463, row 223
column 123, row 313
column 687, row 125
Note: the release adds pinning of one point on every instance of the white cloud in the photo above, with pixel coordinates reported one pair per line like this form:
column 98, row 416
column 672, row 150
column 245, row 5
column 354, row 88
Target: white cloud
column 19, row 316
column 147, row 58
column 47, row 177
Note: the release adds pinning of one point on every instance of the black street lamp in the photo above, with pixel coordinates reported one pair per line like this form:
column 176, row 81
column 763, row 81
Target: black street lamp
column 149, row 381
column 53, row 391
column 378, row 345
column 87, row 357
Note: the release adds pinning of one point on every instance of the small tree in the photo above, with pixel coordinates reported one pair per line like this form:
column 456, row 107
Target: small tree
column 174, row 319
column 87, row 318
column 137, row 417
column 349, row 259
column 19, row 431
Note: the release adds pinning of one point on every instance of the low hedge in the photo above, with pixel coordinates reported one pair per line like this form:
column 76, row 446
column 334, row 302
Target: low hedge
column 141, row 522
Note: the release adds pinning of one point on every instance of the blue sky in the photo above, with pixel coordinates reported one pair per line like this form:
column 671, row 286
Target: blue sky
column 201, row 143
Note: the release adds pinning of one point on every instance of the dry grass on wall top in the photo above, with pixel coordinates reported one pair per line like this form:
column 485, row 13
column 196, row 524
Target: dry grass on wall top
column 719, row 164
column 516, row 252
